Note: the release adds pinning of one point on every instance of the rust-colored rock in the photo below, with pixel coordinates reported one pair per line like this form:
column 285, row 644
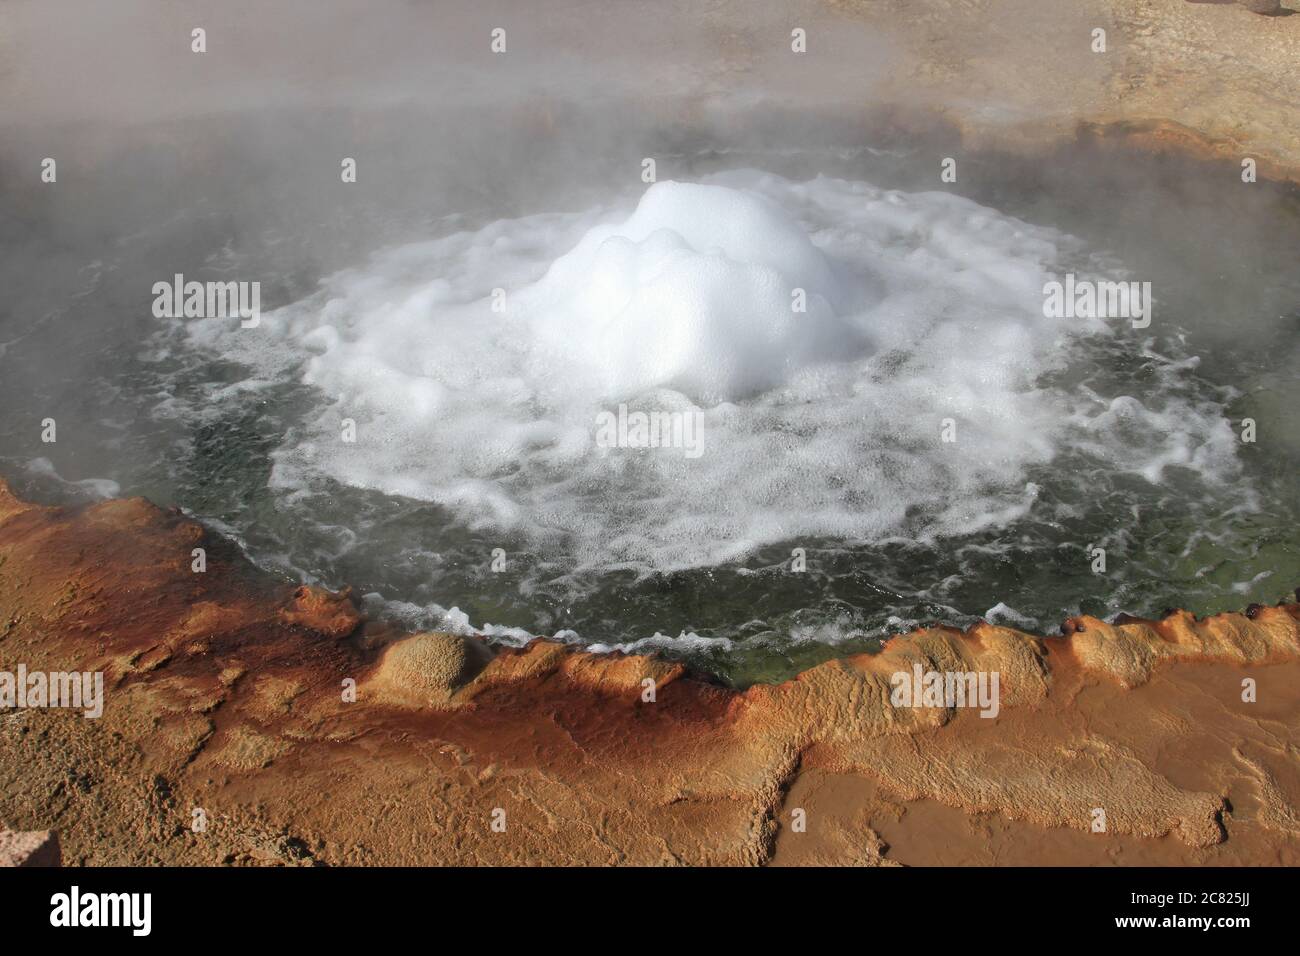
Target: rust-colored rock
column 426, row 669
column 299, row 736
column 333, row 615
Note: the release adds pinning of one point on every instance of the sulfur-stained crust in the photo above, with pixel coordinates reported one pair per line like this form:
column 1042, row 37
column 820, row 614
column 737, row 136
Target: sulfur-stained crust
column 301, row 734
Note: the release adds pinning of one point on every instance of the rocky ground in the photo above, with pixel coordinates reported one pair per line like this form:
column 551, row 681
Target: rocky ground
column 228, row 736
column 1212, row 77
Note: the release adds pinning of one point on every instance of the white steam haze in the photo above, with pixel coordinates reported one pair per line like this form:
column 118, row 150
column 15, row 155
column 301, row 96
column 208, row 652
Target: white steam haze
column 129, row 61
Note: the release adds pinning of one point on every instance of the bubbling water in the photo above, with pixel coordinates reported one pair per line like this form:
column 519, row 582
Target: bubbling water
column 829, row 334
column 696, row 291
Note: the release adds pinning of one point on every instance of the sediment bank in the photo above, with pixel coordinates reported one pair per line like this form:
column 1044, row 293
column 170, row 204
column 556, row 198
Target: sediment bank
column 226, row 701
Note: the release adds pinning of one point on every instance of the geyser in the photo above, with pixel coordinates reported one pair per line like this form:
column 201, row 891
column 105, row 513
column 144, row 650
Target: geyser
column 923, row 322
column 712, row 291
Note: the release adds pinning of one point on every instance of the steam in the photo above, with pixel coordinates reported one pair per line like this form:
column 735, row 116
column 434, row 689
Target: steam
column 131, row 62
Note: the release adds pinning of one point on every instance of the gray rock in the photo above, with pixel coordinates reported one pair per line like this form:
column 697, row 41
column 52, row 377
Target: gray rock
column 33, row 848
column 1262, row 6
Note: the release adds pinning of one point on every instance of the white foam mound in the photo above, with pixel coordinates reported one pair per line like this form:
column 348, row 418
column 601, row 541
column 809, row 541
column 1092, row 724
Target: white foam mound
column 714, row 292
column 921, row 308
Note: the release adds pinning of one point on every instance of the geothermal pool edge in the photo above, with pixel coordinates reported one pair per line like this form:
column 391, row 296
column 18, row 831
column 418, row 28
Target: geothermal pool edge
column 226, row 694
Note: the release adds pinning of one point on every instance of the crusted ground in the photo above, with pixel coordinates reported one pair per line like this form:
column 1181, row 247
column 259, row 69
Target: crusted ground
column 229, row 701
column 1210, row 77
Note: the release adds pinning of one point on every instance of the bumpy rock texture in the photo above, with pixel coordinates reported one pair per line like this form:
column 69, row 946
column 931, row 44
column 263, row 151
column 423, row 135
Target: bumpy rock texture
column 1027, row 75
column 229, row 735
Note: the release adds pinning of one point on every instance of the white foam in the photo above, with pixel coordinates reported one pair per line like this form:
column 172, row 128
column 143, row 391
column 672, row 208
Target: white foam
column 1001, row 613
column 694, row 292
column 93, row 488
column 685, row 641
column 827, row 423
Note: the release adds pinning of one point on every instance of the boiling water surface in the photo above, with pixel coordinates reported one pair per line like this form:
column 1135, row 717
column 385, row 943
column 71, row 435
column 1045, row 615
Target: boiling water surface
column 473, row 349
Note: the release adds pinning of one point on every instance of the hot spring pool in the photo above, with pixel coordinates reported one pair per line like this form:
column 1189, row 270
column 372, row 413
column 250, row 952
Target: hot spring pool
column 887, row 427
